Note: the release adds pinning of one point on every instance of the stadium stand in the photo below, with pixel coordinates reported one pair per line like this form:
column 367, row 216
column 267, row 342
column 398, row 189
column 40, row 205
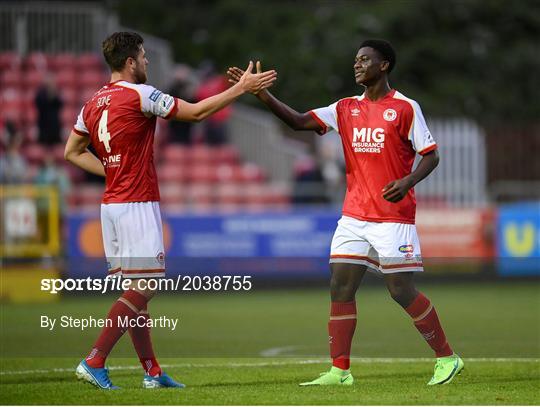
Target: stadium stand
column 197, row 177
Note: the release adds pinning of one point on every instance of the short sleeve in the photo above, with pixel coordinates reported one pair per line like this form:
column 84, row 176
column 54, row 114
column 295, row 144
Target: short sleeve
column 80, row 127
column 419, row 134
column 157, row 103
column 326, row 117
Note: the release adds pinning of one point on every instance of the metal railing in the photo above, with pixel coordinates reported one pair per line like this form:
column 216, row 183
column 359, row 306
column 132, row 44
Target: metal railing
column 460, row 180
column 259, row 138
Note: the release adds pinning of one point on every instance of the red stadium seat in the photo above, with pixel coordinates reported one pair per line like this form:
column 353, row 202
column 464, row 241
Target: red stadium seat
column 29, row 115
column 71, row 97
column 10, row 60
column 200, row 196
column 278, row 194
column 34, row 153
column 62, row 61
column 226, row 155
column 28, row 94
column 174, row 153
column 226, row 173
column 252, row 173
column 11, row 78
column 68, row 116
column 230, row 194
column 169, row 207
column 172, row 193
column 247, row 173
column 58, row 154
column 13, row 114
column 33, row 79
column 202, row 173
column 10, row 94
column 92, row 79
column 90, row 61
column 201, row 155
column 256, row 194
column 66, row 78
column 29, row 132
column 37, row 61
column 172, row 173
column 270, row 196
column 13, row 103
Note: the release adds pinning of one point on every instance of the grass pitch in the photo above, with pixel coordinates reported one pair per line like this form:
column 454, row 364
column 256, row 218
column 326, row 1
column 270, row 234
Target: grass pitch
column 254, row 348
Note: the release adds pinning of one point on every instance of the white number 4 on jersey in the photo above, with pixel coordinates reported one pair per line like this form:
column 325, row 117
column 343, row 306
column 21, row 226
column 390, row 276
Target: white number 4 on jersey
column 103, row 134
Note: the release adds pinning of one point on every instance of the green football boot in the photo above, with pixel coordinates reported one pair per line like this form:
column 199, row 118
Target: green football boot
column 446, row 369
column 334, row 377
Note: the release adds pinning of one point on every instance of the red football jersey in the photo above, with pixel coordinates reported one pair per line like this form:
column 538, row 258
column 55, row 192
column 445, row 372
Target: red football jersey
column 380, row 139
column 121, row 120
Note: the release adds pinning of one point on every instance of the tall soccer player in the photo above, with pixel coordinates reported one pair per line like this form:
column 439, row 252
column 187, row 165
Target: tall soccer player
column 381, row 131
column 119, row 122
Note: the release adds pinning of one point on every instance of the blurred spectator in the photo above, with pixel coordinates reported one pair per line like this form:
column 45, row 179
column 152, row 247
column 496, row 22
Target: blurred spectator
column 51, row 174
column 309, row 187
column 212, row 83
column 183, row 87
column 13, row 167
column 49, row 104
column 331, row 156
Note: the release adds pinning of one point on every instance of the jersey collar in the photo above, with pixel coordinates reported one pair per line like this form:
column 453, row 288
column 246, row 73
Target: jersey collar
column 387, row 96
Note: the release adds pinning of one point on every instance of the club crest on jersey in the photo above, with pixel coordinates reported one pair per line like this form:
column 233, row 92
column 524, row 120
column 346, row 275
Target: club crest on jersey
column 355, row 112
column 389, row 115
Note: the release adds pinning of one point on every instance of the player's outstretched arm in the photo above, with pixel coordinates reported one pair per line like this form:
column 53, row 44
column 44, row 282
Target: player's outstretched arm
column 76, row 152
column 295, row 120
column 396, row 190
column 248, row 82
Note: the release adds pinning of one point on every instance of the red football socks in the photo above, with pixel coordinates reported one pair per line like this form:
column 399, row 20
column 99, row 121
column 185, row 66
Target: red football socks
column 427, row 322
column 140, row 336
column 341, row 330
column 128, row 305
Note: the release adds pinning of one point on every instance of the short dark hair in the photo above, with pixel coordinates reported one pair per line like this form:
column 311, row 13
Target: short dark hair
column 385, row 49
column 118, row 47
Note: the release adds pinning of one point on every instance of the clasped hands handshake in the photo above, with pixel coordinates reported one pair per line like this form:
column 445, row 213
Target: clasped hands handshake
column 249, row 81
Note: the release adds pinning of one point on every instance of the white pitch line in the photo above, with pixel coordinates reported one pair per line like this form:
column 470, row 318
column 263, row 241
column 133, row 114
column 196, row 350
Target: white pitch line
column 277, row 363
column 279, row 351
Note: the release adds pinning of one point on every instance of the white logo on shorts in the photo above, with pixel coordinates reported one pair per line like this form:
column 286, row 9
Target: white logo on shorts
column 161, row 258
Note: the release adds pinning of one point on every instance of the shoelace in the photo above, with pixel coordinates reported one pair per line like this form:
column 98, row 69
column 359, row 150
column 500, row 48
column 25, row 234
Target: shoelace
column 104, row 376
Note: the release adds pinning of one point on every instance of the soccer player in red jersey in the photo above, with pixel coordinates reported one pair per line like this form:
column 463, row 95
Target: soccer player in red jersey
column 119, row 122
column 381, row 131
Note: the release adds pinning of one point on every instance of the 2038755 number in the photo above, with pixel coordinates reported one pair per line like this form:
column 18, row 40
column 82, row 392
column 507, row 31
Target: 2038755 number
column 216, row 283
